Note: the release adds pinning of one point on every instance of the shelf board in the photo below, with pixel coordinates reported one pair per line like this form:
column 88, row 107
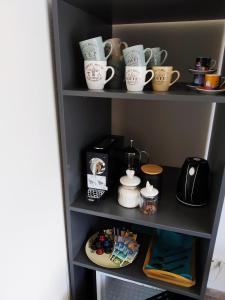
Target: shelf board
column 179, row 94
column 171, row 215
column 131, row 11
column 134, row 272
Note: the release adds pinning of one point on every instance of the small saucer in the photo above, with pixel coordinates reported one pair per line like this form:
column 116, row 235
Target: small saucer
column 192, row 87
column 199, row 72
column 210, row 92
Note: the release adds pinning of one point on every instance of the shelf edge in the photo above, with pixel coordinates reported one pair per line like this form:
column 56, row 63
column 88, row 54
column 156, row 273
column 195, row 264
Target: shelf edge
column 148, row 96
column 147, row 224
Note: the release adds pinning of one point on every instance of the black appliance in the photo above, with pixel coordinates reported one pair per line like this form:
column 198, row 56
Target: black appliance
column 193, row 183
column 103, row 167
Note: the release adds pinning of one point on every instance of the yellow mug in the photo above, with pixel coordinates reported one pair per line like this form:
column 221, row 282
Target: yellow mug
column 163, row 77
column 213, row 81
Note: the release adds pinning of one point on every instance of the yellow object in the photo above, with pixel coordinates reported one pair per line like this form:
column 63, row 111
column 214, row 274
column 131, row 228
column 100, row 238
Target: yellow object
column 168, row 276
column 212, row 81
column 162, row 80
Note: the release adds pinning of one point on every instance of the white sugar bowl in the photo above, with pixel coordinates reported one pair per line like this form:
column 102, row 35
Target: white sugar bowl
column 129, row 194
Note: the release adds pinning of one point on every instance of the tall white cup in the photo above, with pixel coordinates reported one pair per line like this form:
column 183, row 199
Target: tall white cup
column 95, row 74
column 135, row 78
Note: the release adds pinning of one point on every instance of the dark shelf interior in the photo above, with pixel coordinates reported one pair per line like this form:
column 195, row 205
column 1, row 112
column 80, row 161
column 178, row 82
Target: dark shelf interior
column 179, row 93
column 134, row 271
column 132, row 11
column 171, row 214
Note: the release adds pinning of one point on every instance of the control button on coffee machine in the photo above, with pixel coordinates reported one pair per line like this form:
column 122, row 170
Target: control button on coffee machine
column 192, row 171
column 193, row 183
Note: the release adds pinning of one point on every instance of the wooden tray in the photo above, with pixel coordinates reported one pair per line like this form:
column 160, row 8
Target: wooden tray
column 168, row 276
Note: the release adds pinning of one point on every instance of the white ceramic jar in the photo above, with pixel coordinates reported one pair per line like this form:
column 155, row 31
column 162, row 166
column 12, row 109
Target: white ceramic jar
column 129, row 194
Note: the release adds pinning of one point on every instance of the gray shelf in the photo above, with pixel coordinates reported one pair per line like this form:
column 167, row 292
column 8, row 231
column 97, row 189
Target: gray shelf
column 179, row 94
column 129, row 11
column 134, row 272
column 171, row 214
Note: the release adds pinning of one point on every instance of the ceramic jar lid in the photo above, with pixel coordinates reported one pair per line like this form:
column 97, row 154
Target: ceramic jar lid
column 151, row 169
column 149, row 191
column 130, row 179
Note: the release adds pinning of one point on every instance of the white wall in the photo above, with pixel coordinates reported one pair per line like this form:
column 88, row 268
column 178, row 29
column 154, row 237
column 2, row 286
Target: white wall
column 217, row 272
column 33, row 260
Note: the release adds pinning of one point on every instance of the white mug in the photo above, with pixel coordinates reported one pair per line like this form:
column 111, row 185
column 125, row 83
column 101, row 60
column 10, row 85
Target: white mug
column 135, row 78
column 95, row 74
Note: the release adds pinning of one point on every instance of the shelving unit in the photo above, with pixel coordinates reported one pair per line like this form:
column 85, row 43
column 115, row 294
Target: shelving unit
column 86, row 115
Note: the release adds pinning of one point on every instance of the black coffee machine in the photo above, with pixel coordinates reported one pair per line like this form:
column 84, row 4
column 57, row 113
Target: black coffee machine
column 193, row 183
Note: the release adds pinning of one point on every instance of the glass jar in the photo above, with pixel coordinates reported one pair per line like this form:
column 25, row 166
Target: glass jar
column 149, row 199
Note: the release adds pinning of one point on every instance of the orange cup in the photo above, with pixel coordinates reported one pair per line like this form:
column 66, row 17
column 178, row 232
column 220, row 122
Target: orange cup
column 213, row 81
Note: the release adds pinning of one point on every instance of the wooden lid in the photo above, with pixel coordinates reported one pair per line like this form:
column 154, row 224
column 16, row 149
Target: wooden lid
column 151, row 169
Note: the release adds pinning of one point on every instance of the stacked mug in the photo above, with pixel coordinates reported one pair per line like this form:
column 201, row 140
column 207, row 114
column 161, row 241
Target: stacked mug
column 157, row 57
column 116, row 61
column 163, row 75
column 136, row 59
column 205, row 76
column 202, row 66
column 95, row 62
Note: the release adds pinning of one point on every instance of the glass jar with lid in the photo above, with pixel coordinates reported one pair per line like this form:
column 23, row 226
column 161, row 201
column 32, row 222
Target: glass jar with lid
column 149, row 199
column 153, row 174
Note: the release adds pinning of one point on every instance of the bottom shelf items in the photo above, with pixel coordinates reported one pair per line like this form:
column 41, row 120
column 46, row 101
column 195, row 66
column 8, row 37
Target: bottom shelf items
column 134, row 272
column 113, row 288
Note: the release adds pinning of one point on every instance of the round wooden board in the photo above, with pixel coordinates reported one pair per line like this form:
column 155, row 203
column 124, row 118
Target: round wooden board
column 100, row 260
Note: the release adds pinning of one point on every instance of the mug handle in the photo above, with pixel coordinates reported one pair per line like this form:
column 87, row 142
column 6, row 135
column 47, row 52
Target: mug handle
column 213, row 64
column 123, row 45
column 222, row 84
column 150, row 55
column 111, row 76
column 178, row 76
column 165, row 56
column 111, row 48
column 149, row 71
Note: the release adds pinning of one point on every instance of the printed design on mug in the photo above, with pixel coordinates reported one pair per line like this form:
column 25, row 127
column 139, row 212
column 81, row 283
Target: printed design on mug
column 208, row 84
column 132, row 58
column 212, row 83
column 89, row 51
column 161, row 76
column 132, row 77
column 93, row 72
